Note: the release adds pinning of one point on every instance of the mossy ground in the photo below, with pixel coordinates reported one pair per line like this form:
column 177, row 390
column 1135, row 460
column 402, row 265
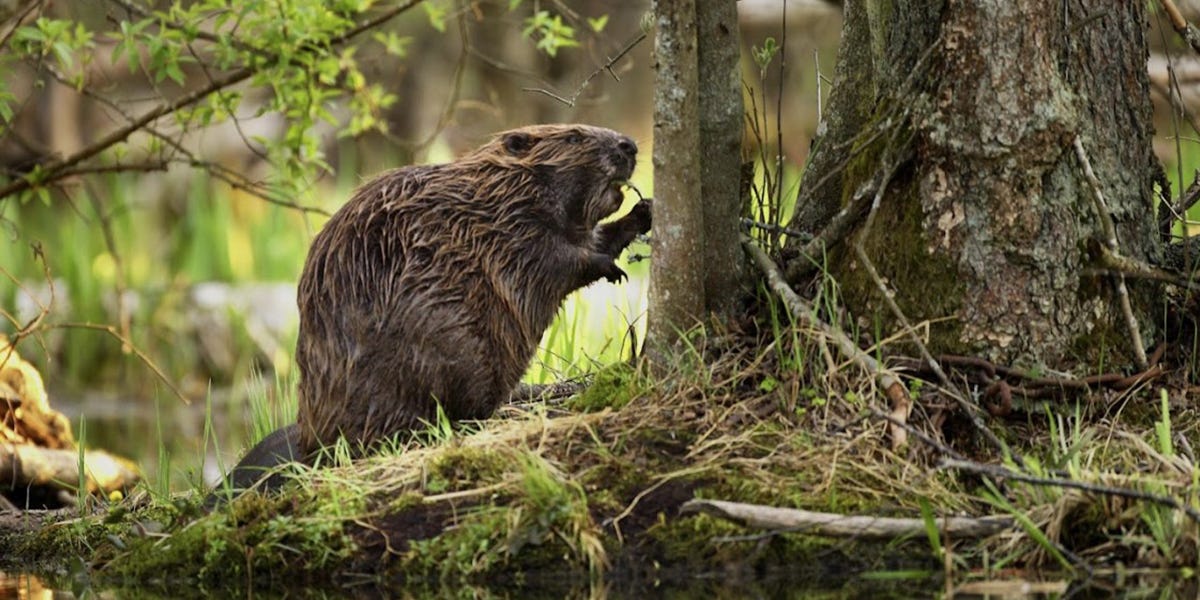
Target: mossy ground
column 590, row 492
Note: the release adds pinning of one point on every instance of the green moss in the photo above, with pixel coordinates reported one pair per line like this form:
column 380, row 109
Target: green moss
column 466, row 467
column 613, row 387
column 56, row 542
column 926, row 286
column 471, row 548
column 544, row 525
column 405, row 501
column 258, row 537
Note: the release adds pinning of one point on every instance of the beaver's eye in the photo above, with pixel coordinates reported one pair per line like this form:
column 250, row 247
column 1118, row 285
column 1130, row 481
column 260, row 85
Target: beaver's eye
column 574, row 138
column 517, row 143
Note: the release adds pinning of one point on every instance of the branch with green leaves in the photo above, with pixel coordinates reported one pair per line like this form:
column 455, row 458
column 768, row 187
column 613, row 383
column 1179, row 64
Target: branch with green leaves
column 298, row 52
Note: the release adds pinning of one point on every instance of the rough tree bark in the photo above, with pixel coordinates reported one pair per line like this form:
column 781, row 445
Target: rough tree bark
column 721, row 122
column 676, row 295
column 989, row 219
column 697, row 267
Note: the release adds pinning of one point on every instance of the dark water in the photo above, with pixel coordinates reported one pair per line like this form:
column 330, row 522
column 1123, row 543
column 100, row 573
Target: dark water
column 13, row 586
column 717, row 585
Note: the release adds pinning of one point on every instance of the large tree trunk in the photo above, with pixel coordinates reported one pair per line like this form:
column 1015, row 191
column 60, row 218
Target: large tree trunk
column 989, row 219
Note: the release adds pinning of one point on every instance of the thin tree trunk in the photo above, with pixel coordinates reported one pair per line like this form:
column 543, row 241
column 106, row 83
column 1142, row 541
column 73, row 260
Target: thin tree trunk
column 676, row 301
column 721, row 122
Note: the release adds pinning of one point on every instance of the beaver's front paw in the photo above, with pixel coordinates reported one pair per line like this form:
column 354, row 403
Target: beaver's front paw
column 639, row 215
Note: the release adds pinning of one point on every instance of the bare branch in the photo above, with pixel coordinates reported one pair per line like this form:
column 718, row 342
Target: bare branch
column 606, row 67
column 1117, row 263
column 801, row 311
column 1110, row 240
column 997, row 471
column 20, row 18
column 1185, row 30
column 126, row 343
column 836, row 525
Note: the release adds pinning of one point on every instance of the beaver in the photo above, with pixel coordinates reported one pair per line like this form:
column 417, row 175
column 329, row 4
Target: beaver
column 432, row 286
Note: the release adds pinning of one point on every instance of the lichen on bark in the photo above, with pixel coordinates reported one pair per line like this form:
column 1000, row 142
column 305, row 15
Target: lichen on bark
column 986, row 228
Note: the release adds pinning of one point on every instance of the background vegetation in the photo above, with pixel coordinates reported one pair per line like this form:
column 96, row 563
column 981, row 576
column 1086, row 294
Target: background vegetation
column 184, row 240
column 172, row 255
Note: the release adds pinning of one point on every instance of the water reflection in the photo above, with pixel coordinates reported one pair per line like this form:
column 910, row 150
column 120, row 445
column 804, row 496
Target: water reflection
column 14, row 586
column 1161, row 585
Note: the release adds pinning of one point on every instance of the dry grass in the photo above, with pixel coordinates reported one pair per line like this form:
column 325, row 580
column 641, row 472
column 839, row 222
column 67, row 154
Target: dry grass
column 548, row 489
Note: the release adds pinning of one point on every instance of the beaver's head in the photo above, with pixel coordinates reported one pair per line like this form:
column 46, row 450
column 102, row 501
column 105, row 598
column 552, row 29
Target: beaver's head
column 579, row 169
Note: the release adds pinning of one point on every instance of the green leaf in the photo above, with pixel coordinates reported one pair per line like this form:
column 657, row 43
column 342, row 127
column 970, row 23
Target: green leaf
column 769, row 384
column 598, row 24
column 931, row 529
column 437, row 16
column 174, row 72
column 393, row 44
column 1162, row 428
column 763, row 55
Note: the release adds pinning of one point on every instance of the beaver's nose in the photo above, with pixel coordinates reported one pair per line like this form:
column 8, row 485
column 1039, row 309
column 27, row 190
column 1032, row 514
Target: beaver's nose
column 627, row 147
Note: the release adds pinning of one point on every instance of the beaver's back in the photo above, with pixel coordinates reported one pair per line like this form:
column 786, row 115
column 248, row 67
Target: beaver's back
column 433, row 284
column 400, row 311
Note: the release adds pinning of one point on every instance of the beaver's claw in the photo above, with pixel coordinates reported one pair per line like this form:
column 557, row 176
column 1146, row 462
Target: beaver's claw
column 614, row 274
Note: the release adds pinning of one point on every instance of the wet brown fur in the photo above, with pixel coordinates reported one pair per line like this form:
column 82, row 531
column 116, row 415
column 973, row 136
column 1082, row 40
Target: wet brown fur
column 433, row 284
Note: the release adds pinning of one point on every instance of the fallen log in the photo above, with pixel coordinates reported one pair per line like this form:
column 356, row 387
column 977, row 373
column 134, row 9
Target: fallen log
column 24, row 466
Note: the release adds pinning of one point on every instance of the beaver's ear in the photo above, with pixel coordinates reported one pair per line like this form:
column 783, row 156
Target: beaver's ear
column 518, row 143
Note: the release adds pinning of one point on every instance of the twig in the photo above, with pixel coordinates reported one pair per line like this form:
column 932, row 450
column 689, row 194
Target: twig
column 606, row 67
column 124, row 319
column 232, row 178
column 1110, row 240
column 779, row 94
column 777, row 229
column 1180, row 24
column 817, row 69
column 901, row 409
column 54, row 170
column 1116, row 381
column 1135, row 268
column 835, row 525
column 127, row 343
column 886, row 379
column 997, row 471
column 43, row 309
column 917, row 433
column 1189, row 197
column 460, row 69
column 764, row 194
column 543, row 392
column 18, row 19
column 1175, row 94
